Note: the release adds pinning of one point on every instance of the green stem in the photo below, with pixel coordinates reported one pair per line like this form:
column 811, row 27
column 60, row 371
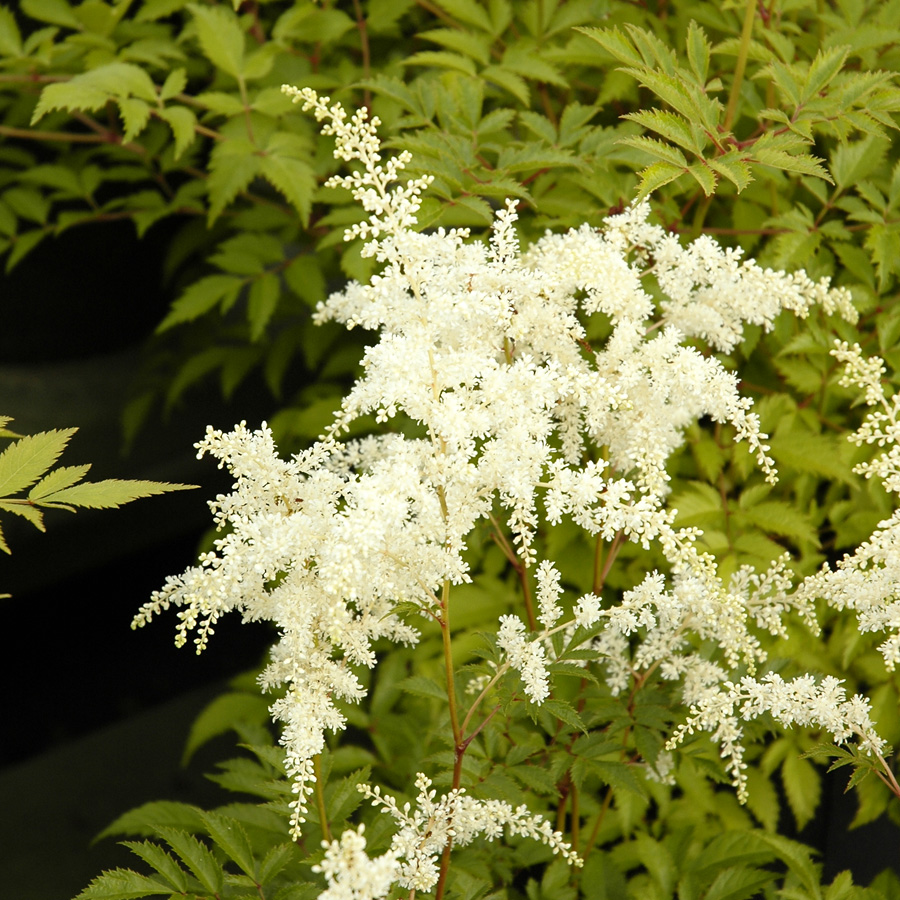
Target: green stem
column 320, row 797
column 740, row 65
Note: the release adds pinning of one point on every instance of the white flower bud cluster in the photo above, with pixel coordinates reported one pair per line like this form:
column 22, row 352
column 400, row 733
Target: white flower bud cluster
column 423, row 833
column 801, row 701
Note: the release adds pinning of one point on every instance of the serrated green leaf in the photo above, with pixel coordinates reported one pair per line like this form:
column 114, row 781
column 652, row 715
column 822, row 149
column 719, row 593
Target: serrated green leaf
column 419, row 684
column 615, row 43
column 823, row 69
column 109, row 493
column 93, row 89
column 705, row 177
column 57, row 12
column 564, row 712
column 468, row 11
column 223, row 714
column 233, row 165
column 157, row 858
column 261, row 303
column 656, row 175
column 60, row 478
column 135, row 115
column 221, row 38
column 536, row 778
column 294, row 178
column 734, row 167
column 26, row 511
column 698, row 49
column 175, row 83
column 228, row 834
column 182, row 121
column 476, row 46
column 617, row 775
column 23, row 243
column 123, row 884
column 671, row 126
column 738, row 883
column 275, row 860
column 145, row 819
column 200, row 297
column 196, row 856
column 508, row 81
column 223, row 104
column 883, row 241
column 23, row 462
column 802, row 787
column 659, row 149
column 10, row 37
column 531, row 66
column 781, row 518
column 441, row 59
column 803, row 164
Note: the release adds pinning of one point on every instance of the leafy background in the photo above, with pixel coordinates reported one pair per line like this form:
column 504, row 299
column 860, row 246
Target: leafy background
column 768, row 126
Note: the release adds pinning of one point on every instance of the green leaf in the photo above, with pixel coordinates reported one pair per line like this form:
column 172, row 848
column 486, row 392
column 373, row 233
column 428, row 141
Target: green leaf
column 221, row 38
column 263, row 298
column 564, row 712
column 802, row 786
column 535, row 777
column 671, row 126
column 660, row 149
column 656, row 175
column 738, row 883
column 223, row 714
column 275, row 860
column 123, row 884
column 56, row 12
column 175, row 83
column 23, row 462
column 294, row 178
column 781, row 518
column 182, row 121
column 196, row 856
column 698, row 48
column 200, row 297
column 422, row 686
column 468, row 11
column 230, row 837
column 10, row 37
column 803, row 164
column 734, row 167
column 155, row 856
column 883, row 241
column 24, row 242
column 93, row 89
column 823, row 69
column 615, row 44
column 135, row 115
column 705, row 177
column 110, row 493
column 233, row 165
column 60, row 478
column 26, row 511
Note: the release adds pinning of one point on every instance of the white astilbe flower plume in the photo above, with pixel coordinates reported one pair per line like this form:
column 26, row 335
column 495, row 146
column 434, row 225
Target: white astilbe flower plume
column 486, row 348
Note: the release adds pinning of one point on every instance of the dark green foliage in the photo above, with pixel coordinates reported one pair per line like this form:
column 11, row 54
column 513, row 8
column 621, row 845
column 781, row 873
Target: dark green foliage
column 770, row 127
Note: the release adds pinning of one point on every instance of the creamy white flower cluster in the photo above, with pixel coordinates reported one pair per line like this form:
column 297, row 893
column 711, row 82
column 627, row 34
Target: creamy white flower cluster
column 488, row 349
column 423, row 833
column 868, row 580
column 801, row 701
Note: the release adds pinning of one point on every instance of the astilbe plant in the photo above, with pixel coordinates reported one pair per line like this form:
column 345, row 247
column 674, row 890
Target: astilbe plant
column 531, row 387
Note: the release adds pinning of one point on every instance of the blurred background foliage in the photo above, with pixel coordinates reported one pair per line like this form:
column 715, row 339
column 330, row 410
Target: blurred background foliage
column 767, row 125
